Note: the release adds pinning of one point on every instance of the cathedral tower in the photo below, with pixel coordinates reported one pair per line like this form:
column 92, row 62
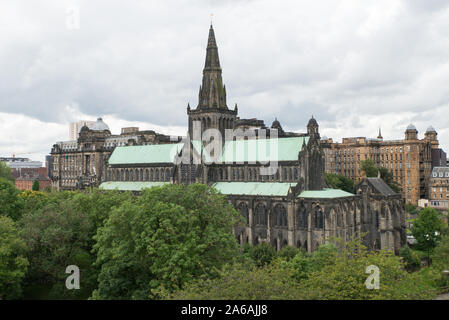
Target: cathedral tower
column 212, row 110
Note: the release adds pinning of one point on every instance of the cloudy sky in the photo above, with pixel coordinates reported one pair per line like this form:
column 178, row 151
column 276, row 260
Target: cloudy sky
column 355, row 65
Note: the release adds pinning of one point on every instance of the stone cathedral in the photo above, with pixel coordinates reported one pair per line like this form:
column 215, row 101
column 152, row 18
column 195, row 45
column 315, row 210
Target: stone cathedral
column 274, row 178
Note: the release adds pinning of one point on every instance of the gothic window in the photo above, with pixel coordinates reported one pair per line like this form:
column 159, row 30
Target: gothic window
column 250, row 174
column 290, row 174
column 296, row 174
column 284, row 173
column 261, row 215
column 126, row 175
column 146, row 175
column 151, row 175
column 243, row 208
column 277, row 174
column 319, row 218
column 167, row 174
column 280, row 216
column 303, row 220
column 242, row 174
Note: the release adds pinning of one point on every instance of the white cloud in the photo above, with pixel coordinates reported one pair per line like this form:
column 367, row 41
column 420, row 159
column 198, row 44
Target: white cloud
column 355, row 65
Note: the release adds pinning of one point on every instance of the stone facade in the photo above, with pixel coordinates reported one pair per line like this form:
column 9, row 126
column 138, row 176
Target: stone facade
column 439, row 188
column 82, row 163
column 409, row 160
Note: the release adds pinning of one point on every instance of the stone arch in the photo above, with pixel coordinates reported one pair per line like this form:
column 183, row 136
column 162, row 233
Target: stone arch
column 280, row 216
column 261, row 216
column 302, row 217
column 318, row 217
column 243, row 209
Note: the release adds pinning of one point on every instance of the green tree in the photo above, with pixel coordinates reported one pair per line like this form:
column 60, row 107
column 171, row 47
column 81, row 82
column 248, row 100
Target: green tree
column 262, row 254
column 13, row 264
column 426, row 229
column 9, row 203
column 167, row 237
column 242, row 282
column 369, row 168
column 58, row 235
column 5, row 172
column 346, row 277
column 36, row 186
column 387, row 176
column 338, row 181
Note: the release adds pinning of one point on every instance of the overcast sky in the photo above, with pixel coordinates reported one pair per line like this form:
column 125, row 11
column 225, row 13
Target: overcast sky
column 355, row 65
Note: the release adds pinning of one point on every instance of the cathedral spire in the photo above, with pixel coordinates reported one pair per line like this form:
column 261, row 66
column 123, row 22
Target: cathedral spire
column 212, row 93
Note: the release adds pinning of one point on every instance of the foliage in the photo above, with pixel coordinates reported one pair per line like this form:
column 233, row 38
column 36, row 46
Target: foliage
column 13, row 264
column 411, row 258
column 345, row 277
column 288, row 252
column 427, row 228
column 58, row 236
column 9, row 204
column 411, row 209
column 262, row 254
column 241, row 282
column 167, row 237
column 369, row 168
column 338, row 181
column 5, row 172
column 388, row 177
column 35, row 186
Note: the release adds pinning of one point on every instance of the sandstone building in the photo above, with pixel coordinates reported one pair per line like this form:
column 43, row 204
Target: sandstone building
column 409, row 160
column 439, row 188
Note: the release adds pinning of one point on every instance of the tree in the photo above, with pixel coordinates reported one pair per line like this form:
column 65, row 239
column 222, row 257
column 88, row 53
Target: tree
column 426, row 229
column 345, row 278
column 242, row 282
column 369, row 168
column 9, row 203
column 387, row 176
column 338, row 181
column 36, row 186
column 167, row 237
column 5, row 172
column 58, row 235
column 13, row 264
column 262, row 254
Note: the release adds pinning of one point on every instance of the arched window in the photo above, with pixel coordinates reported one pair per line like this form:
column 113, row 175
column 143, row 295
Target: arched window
column 126, row 175
column 243, row 208
column 242, row 174
column 280, row 216
column 290, row 174
column 261, row 215
column 303, row 220
column 146, row 175
column 151, row 175
column 167, row 174
column 284, row 173
column 250, row 174
column 296, row 174
column 319, row 218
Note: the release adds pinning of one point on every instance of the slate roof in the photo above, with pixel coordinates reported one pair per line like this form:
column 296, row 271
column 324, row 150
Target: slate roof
column 380, row 186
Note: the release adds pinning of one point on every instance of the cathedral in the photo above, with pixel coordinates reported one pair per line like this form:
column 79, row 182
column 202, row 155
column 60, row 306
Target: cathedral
column 274, row 178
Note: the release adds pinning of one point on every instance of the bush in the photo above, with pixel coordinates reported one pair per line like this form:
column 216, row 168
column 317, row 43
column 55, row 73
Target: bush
column 262, row 254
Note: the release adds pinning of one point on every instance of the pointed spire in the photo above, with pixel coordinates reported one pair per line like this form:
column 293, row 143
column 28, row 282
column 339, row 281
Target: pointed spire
column 212, row 60
column 380, row 135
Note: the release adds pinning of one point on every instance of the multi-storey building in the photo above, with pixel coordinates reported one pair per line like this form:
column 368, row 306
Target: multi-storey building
column 439, row 188
column 409, row 160
column 75, row 127
column 80, row 163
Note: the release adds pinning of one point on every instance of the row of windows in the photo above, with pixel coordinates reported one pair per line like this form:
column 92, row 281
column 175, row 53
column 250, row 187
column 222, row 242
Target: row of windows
column 139, row 175
column 255, row 174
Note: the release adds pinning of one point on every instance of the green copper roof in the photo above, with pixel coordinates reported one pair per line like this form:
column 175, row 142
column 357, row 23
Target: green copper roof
column 199, row 147
column 155, row 153
column 262, row 150
column 254, row 188
column 325, row 193
column 130, row 185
